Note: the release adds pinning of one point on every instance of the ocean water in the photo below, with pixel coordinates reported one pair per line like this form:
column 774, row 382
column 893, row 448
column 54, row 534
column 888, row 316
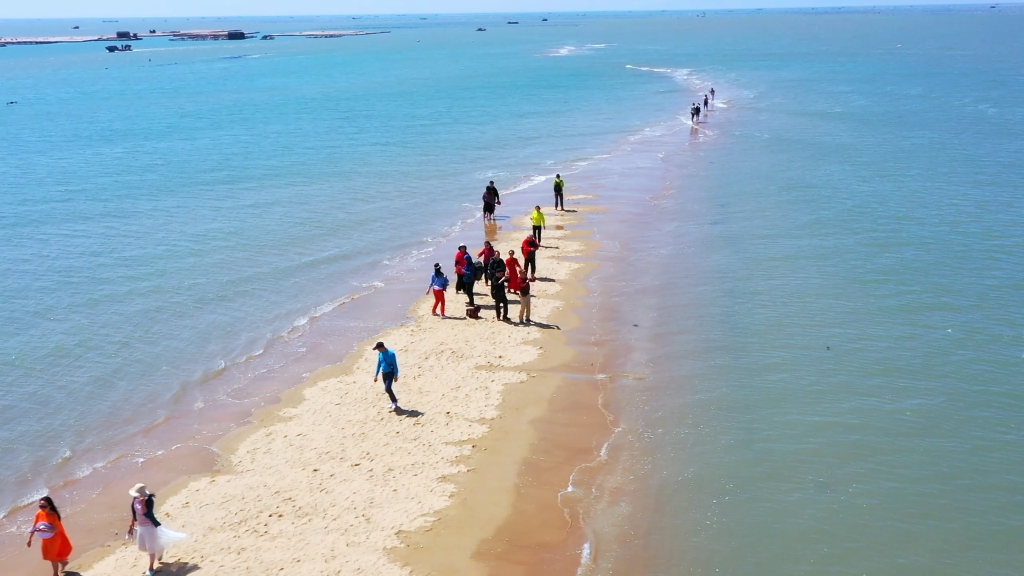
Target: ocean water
column 824, row 307
column 824, row 277
column 175, row 221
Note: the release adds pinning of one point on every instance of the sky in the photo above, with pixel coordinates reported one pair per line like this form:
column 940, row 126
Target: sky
column 173, row 8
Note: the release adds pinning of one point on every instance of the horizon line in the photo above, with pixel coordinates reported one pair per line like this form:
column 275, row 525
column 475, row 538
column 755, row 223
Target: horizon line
column 552, row 12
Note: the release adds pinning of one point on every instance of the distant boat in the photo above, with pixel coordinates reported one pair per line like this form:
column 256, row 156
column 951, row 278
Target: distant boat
column 481, row 29
column 543, row 19
column 511, row 22
column 121, row 48
column 74, row 27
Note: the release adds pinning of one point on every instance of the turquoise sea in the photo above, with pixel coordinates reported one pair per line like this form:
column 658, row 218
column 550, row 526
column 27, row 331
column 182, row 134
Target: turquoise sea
column 825, row 370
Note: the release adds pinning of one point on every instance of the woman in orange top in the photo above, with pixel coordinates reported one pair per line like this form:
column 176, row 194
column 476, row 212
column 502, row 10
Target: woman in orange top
column 56, row 548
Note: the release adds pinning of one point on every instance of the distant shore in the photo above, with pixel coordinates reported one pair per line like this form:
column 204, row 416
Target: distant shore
column 178, row 35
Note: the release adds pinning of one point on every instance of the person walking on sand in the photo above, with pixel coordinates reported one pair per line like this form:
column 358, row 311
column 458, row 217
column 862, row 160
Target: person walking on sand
column 559, row 187
column 530, row 246
column 152, row 538
column 539, row 223
column 438, row 284
column 512, row 270
column 49, row 525
column 524, row 297
column 460, row 267
column 487, row 253
column 387, row 367
column 500, row 298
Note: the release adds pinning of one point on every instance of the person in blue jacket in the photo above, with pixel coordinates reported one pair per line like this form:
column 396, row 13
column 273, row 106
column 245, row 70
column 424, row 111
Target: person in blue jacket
column 387, row 366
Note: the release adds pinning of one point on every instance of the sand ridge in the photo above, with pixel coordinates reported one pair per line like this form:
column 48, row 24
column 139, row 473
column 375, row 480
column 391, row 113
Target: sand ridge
column 326, row 487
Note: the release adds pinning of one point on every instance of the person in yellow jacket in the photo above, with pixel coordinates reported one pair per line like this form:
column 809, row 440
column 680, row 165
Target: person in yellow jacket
column 537, row 218
column 559, row 186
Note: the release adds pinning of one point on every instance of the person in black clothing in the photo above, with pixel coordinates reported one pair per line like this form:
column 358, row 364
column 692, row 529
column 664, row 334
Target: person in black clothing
column 705, row 102
column 469, row 278
column 693, row 111
column 500, row 297
column 696, row 109
column 494, row 192
column 496, row 267
column 559, row 197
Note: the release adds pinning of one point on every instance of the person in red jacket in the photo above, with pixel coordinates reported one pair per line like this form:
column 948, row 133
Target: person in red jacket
column 460, row 267
column 530, row 247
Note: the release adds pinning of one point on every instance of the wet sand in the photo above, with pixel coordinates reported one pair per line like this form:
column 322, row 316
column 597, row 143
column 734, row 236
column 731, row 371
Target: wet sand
column 330, row 478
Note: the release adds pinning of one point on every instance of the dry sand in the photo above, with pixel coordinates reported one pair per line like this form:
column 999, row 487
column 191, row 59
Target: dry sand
column 328, row 483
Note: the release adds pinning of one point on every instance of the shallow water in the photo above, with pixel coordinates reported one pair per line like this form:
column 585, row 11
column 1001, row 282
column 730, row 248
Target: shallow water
column 192, row 226
column 825, row 370
column 824, row 277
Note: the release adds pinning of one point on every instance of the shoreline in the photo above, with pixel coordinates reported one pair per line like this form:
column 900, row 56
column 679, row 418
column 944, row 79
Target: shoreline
column 266, row 433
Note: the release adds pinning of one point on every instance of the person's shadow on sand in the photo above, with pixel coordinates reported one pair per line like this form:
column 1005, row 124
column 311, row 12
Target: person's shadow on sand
column 177, row 568
column 543, row 325
column 408, row 413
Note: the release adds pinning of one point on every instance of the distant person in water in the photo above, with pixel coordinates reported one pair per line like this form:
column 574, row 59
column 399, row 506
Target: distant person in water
column 55, row 544
column 539, row 223
column 712, row 94
column 387, row 367
column 559, row 187
column 489, row 199
column 705, row 102
column 438, row 284
column 494, row 192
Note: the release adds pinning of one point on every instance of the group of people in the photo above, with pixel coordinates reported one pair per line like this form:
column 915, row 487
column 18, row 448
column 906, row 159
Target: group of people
column 492, row 199
column 503, row 276
column 144, row 529
column 695, row 107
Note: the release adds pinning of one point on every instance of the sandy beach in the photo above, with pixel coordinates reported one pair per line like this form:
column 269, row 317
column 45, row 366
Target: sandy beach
column 333, row 482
